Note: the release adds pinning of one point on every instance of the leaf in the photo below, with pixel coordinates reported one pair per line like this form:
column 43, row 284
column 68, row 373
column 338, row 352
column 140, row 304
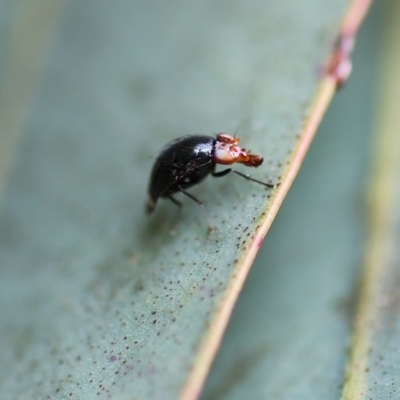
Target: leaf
column 373, row 370
column 289, row 334
column 96, row 300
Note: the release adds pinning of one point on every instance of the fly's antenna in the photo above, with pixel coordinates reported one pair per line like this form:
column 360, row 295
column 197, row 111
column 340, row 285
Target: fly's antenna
column 237, row 130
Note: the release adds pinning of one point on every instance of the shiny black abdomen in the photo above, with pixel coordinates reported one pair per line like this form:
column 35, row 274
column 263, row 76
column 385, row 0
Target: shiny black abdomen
column 184, row 162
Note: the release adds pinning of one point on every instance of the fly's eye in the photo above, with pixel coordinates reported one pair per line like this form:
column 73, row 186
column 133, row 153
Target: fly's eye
column 225, row 138
column 223, row 156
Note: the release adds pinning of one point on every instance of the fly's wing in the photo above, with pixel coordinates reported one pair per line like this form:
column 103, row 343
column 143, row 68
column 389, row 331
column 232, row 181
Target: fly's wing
column 164, row 179
column 180, row 160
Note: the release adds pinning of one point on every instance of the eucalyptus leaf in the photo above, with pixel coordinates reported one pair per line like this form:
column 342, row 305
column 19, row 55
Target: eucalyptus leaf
column 373, row 369
column 289, row 334
column 97, row 300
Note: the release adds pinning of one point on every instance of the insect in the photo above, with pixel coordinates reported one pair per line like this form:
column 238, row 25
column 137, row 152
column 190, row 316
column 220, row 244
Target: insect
column 186, row 161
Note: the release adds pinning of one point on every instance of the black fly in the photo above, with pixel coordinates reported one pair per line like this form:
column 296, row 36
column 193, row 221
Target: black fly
column 186, row 161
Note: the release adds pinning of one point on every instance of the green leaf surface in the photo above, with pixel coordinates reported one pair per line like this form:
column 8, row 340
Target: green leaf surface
column 374, row 367
column 97, row 300
column 290, row 331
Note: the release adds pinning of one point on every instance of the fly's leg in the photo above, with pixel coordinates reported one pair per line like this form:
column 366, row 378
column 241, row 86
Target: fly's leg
column 246, row 176
column 178, row 216
column 210, row 227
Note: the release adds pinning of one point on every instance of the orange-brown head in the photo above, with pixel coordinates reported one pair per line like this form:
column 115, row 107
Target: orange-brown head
column 227, row 151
